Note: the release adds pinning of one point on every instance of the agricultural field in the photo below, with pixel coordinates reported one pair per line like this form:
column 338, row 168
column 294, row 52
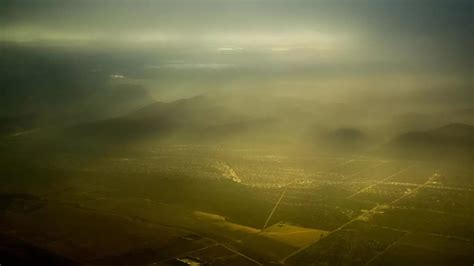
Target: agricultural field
column 161, row 207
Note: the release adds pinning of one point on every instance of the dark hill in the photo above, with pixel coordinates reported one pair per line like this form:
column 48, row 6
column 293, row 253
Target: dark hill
column 453, row 141
column 199, row 118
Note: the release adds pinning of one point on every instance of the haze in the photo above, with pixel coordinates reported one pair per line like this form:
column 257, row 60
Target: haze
column 236, row 132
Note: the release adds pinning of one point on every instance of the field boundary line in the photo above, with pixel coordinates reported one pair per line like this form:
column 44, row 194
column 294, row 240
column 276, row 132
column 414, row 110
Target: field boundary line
column 241, row 254
column 366, row 214
column 381, row 181
column 365, row 169
column 274, row 208
column 385, row 249
column 184, row 253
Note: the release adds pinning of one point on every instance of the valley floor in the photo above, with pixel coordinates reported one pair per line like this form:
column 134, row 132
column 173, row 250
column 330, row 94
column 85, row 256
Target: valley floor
column 176, row 205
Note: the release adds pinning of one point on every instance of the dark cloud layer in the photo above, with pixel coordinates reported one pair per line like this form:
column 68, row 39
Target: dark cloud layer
column 339, row 50
column 386, row 28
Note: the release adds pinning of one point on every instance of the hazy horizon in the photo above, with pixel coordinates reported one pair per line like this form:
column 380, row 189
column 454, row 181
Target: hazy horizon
column 236, row 132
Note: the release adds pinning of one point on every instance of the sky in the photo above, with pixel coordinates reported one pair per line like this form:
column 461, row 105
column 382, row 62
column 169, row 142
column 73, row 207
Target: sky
column 336, row 50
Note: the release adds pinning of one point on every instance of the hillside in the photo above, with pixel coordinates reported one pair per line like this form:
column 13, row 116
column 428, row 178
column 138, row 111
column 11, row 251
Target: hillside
column 197, row 119
column 449, row 141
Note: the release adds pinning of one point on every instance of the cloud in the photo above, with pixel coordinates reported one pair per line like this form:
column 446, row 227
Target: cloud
column 192, row 66
column 117, row 76
column 229, row 49
column 280, row 49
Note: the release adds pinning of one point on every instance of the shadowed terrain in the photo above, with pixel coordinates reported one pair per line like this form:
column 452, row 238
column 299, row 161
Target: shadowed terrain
column 236, row 132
